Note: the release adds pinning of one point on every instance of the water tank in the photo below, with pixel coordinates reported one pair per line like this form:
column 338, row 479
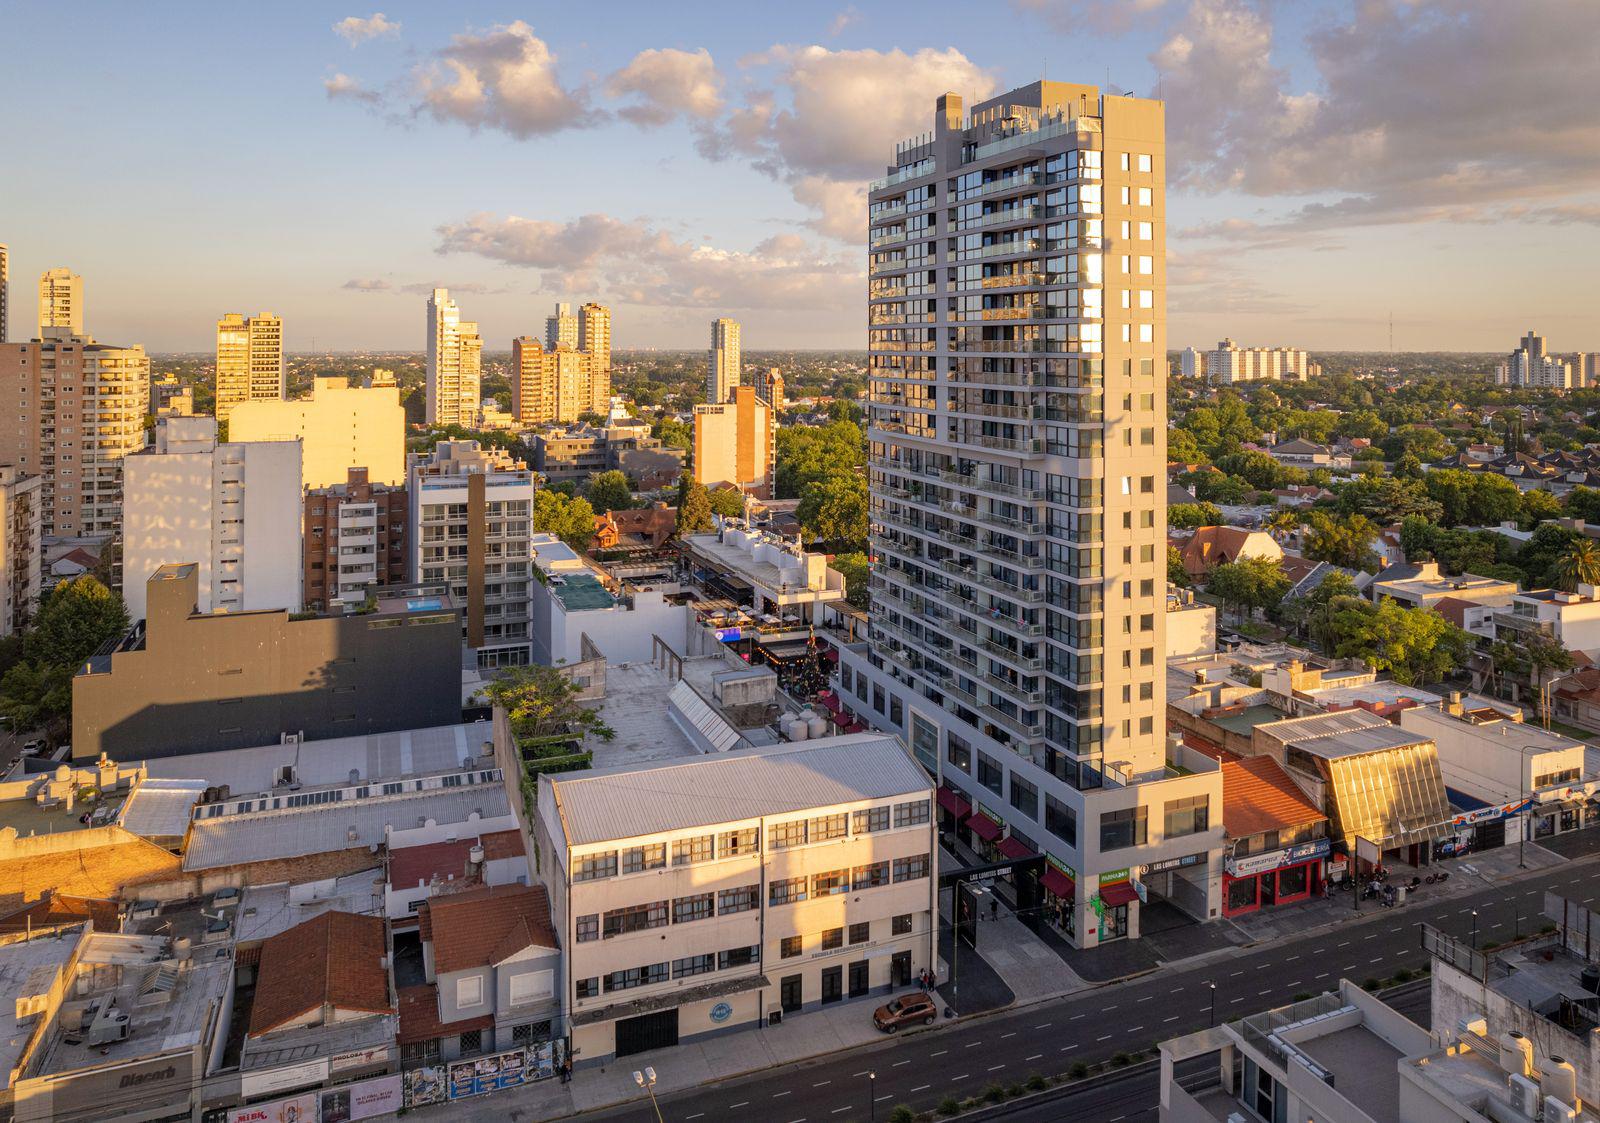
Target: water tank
column 475, row 855
column 1516, row 1054
column 1559, row 1080
column 63, row 774
column 817, row 725
column 798, row 729
column 1589, row 979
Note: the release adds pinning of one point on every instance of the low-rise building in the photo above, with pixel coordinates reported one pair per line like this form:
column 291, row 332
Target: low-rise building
column 1421, row 585
column 1191, row 624
column 355, row 540
column 1277, row 838
column 1301, row 453
column 575, row 601
column 727, row 891
column 21, row 547
column 621, row 445
column 1211, row 546
column 774, row 575
column 1572, row 619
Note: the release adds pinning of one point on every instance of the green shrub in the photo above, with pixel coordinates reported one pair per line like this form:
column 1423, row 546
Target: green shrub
column 1488, row 945
column 1303, row 996
column 1403, row 975
column 902, row 1113
column 1371, row 984
column 1015, row 1090
column 994, row 1093
column 1037, row 1083
column 949, row 1106
column 1120, row 1060
column 1078, row 1070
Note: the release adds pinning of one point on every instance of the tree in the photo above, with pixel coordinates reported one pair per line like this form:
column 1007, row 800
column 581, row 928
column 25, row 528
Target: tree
column 1194, row 514
column 807, row 453
column 1176, row 574
column 1257, row 468
column 845, row 410
column 728, row 502
column 1579, row 564
column 1415, row 645
column 609, row 491
column 1345, row 541
column 694, row 507
column 834, row 510
column 1541, row 554
column 1182, row 448
column 569, row 519
column 1323, row 605
column 1527, row 658
column 1539, row 506
column 1249, row 584
column 1408, row 467
column 73, row 623
column 674, row 433
column 855, row 569
column 1387, row 498
column 1281, row 524
column 542, row 702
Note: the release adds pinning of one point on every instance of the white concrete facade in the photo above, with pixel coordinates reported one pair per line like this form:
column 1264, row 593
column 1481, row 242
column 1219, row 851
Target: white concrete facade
column 233, row 509
column 455, row 356
column 339, row 427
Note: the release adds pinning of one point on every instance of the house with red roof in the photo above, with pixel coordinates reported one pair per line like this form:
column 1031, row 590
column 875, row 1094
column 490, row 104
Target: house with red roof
column 1211, row 546
column 1277, row 837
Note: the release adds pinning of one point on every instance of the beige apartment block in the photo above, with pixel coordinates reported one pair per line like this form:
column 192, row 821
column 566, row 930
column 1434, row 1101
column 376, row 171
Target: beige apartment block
column 735, row 443
column 1229, row 363
column 594, row 336
column 723, row 373
column 21, row 546
column 339, row 427
column 76, row 409
column 561, row 328
column 60, row 302
column 455, row 359
column 249, row 360
column 560, row 381
column 726, row 892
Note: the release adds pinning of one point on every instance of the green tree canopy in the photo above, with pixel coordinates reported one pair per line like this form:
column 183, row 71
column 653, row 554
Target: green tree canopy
column 694, row 507
column 609, row 491
column 1249, row 584
column 543, row 702
column 74, row 621
column 1415, row 645
column 854, row 568
column 569, row 519
column 1194, row 514
column 808, row 453
column 727, row 502
column 1341, row 540
column 833, row 510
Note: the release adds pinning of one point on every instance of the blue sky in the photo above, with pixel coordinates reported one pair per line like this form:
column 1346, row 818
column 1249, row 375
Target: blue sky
column 1331, row 164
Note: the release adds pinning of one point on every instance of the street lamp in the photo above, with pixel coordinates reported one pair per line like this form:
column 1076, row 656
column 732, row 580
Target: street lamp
column 1474, row 929
column 1213, row 987
column 647, row 1081
column 872, row 1099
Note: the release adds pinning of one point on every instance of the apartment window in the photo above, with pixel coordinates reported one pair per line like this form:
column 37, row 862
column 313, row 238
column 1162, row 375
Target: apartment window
column 959, row 753
column 990, row 774
column 592, row 867
column 1144, row 161
column 1187, row 816
column 1146, row 231
column 693, row 965
column 785, row 835
column 896, row 711
column 913, row 868
column 738, row 957
column 634, row 918
column 871, row 877
column 471, row 1042
column 1145, row 198
column 1123, row 160
column 831, row 883
column 1060, row 820
column 701, row 906
column 833, row 939
column 469, row 991
column 911, row 814
column 1024, row 796
column 860, row 933
column 688, row 851
column 588, row 927
column 1147, row 725
column 829, row 827
column 1120, row 829
column 740, row 843
column 900, row 925
column 636, row 977
column 786, row 890
column 877, row 697
column 637, row 859
column 1147, row 265
column 1566, row 776
column 790, row 947
column 742, row 899
column 870, row 819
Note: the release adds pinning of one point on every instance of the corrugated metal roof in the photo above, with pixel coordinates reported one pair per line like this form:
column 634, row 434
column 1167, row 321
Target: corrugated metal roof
column 695, row 710
column 261, row 836
column 161, row 808
column 598, row 806
column 1321, row 725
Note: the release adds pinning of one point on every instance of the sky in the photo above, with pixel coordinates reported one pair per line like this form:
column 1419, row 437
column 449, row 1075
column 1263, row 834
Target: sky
column 1332, row 163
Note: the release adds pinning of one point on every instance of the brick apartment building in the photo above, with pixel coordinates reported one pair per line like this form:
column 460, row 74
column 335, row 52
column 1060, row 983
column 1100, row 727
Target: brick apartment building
column 355, row 538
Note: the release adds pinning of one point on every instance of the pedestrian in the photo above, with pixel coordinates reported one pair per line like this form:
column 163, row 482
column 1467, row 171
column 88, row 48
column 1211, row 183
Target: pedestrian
column 994, row 908
column 566, row 1070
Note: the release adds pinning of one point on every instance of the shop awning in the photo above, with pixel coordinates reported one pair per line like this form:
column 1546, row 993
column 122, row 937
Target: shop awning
column 1015, row 848
column 1117, row 893
column 951, row 801
column 984, row 827
column 831, row 654
column 1058, row 883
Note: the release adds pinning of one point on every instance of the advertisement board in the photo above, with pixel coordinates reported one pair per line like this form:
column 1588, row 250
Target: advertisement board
column 1276, row 859
column 155, row 1082
column 358, row 1058
column 425, row 1085
column 367, row 1099
column 482, row 1075
column 295, row 1109
column 291, row 1076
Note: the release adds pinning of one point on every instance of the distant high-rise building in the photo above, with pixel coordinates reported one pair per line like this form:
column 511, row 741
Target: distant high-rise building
column 1229, row 363
column 769, row 386
column 21, row 546
column 5, row 292
column 734, row 443
column 1191, row 363
column 78, row 411
column 455, row 356
column 562, row 382
column 339, row 427
column 60, row 303
column 232, row 508
column 1531, row 365
column 1017, row 428
column 594, row 335
column 355, row 539
column 249, row 361
column 1586, row 368
column 561, row 329
column 723, row 374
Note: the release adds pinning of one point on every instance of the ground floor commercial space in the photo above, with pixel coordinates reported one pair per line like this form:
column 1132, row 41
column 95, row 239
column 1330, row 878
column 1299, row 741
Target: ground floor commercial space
column 1479, row 826
column 1276, row 878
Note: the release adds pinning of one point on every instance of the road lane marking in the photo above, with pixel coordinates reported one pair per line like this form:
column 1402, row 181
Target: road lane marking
column 940, row 1053
column 1003, row 1036
column 1291, row 959
column 821, row 1083
column 1174, row 1018
column 1075, row 1017
column 897, row 1064
column 1107, row 1037
column 1147, row 998
column 1043, row 1025
column 997, row 1068
column 775, row 1095
column 922, row 1087
column 1035, row 1057
column 972, row 1044
column 837, row 1110
column 880, row 1099
column 1175, row 990
column 1134, row 1029
column 1345, row 944
column 863, row 1072
column 1259, row 993
column 959, row 1079
column 1235, row 975
column 1068, row 1048
column 696, row 1115
column 741, row 1103
column 1324, row 975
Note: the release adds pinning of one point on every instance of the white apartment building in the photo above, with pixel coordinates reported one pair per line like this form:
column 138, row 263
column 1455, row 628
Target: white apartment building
column 727, row 891
column 723, row 373
column 1191, row 363
column 561, row 328
column 233, row 509
column 1572, row 619
column 1017, row 456
column 339, row 427
column 1229, row 363
column 573, row 600
column 455, row 356
column 60, row 303
column 21, row 546
column 249, row 361
column 782, row 577
column 1496, row 760
column 1531, row 365
column 471, row 521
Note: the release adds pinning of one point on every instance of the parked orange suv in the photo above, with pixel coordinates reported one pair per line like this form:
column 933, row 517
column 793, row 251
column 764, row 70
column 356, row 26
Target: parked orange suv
column 910, row 1009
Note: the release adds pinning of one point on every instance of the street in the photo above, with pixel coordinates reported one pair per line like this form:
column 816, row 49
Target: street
column 921, row 1069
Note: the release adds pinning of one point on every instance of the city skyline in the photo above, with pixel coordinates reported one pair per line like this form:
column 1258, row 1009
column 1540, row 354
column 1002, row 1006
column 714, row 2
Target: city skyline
column 756, row 155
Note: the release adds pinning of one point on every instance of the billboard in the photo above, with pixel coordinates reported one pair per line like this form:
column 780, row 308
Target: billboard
column 295, row 1109
column 366, row 1100
column 482, row 1075
column 149, row 1084
column 425, row 1085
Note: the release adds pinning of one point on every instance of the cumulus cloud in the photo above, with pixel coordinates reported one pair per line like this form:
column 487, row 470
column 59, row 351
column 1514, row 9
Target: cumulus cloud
column 632, row 262
column 1110, row 16
column 504, row 78
column 355, row 30
column 850, row 15
column 668, row 82
column 345, row 87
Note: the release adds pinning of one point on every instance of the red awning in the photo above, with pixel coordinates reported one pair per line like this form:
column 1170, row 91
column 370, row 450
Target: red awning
column 984, row 827
column 829, row 703
column 1117, row 893
column 831, row 654
column 1058, row 883
column 1015, row 848
column 951, row 801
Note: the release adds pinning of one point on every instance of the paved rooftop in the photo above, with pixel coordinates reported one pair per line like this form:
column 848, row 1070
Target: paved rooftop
column 27, row 969
column 1364, row 1068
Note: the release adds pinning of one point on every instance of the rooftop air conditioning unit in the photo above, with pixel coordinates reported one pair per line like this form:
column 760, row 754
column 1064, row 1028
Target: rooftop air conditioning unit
column 1524, row 1096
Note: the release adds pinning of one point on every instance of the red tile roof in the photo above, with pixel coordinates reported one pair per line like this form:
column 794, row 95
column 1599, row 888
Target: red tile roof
column 419, row 1017
column 487, row 926
column 503, row 844
column 1454, row 609
column 410, row 866
column 1258, row 795
column 335, row 959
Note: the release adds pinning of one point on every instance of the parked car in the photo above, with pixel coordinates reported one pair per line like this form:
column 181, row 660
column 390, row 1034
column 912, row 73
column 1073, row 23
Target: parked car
column 908, row 1009
column 34, row 746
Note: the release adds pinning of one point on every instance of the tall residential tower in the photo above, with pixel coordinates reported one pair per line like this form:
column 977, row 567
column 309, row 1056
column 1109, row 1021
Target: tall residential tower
column 723, row 374
column 455, row 353
column 1017, row 429
column 249, row 361
column 561, row 329
column 60, row 302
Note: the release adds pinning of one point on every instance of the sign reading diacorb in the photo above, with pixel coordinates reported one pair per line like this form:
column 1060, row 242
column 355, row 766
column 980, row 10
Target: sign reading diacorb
column 155, row 1082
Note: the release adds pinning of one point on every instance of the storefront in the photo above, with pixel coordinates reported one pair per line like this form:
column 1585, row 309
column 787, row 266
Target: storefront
column 1276, row 877
column 953, row 811
column 1110, row 904
column 1562, row 815
column 1060, row 884
column 986, row 828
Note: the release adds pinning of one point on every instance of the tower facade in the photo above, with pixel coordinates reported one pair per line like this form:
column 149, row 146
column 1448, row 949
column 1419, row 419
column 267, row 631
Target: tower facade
column 455, row 359
column 723, row 374
column 249, row 361
column 60, row 302
column 561, row 329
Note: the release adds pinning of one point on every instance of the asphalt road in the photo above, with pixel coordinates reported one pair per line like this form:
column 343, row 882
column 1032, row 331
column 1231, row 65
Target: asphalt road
column 924, row 1067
